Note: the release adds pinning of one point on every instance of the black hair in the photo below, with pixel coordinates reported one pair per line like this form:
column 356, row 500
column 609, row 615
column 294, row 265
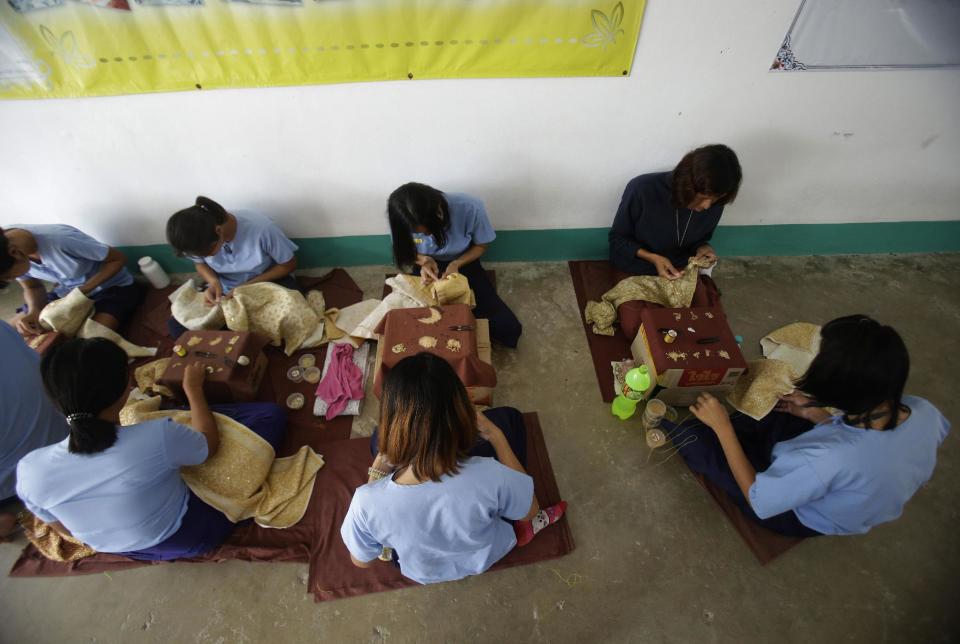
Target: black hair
column 84, row 377
column 709, row 170
column 427, row 421
column 862, row 364
column 193, row 230
column 410, row 206
column 6, row 259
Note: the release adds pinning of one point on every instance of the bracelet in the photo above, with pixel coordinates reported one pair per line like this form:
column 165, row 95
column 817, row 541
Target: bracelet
column 376, row 474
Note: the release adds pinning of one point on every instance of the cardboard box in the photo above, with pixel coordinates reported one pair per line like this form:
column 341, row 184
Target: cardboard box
column 687, row 367
column 227, row 380
column 479, row 395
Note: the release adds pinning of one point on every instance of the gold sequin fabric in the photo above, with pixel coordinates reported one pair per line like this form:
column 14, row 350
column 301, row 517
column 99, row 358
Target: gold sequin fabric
column 50, row 543
column 673, row 294
column 796, row 344
column 758, row 389
column 147, row 376
column 279, row 313
column 243, row 479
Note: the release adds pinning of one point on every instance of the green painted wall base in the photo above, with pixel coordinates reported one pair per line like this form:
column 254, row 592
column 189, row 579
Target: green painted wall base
column 591, row 243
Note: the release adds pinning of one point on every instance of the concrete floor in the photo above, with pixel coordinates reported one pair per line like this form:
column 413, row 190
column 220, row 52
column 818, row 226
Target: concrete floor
column 655, row 559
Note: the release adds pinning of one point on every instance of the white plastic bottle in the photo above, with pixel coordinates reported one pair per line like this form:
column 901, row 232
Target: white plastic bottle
column 154, row 273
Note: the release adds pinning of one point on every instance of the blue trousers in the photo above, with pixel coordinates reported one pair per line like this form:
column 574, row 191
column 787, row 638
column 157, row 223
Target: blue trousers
column 203, row 527
column 705, row 456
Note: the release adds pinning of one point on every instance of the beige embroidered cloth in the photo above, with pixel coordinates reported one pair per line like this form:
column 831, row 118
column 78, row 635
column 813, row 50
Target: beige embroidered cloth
column 283, row 315
column 789, row 351
column 673, row 294
column 70, row 315
column 148, row 375
column 51, row 543
column 243, row 479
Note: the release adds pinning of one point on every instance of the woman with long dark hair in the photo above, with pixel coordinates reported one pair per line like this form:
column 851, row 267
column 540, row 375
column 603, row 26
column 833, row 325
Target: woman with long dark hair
column 665, row 218
column 438, row 233
column 806, row 470
column 117, row 489
column 446, row 481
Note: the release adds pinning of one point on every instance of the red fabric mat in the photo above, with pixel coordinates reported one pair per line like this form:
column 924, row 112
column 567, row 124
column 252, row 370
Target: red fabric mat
column 317, row 537
column 766, row 545
column 148, row 327
column 333, row 576
column 593, row 278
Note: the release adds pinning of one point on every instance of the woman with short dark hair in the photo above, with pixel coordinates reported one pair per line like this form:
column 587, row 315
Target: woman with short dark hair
column 665, row 218
column 438, row 233
column 117, row 489
column 839, row 458
column 445, row 481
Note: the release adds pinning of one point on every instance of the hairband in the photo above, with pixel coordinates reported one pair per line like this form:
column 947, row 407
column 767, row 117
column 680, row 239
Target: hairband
column 72, row 418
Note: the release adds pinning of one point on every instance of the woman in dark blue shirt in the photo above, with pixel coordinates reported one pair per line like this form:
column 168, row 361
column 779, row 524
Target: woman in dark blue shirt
column 666, row 218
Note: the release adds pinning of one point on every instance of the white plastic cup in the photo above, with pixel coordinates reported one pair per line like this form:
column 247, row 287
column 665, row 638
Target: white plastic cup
column 154, row 273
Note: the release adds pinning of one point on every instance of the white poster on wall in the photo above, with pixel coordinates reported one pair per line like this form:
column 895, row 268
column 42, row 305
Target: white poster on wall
column 872, row 34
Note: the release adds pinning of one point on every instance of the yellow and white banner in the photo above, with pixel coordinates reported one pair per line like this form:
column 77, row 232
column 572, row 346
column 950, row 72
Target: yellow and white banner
column 59, row 48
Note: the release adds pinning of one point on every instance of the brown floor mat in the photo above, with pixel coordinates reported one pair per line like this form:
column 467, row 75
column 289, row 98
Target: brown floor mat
column 316, row 538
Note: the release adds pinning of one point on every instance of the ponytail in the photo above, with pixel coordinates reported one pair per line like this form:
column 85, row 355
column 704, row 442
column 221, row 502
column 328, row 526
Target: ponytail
column 193, row 230
column 82, row 378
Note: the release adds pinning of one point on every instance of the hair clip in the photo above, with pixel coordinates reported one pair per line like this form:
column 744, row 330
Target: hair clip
column 72, row 418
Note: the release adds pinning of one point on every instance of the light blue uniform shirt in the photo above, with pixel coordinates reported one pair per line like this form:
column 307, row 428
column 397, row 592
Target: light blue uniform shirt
column 258, row 246
column 69, row 258
column 845, row 480
column 440, row 531
column 127, row 497
column 469, row 225
column 28, row 420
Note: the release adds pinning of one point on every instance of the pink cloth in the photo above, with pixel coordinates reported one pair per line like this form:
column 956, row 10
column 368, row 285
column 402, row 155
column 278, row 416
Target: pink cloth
column 343, row 382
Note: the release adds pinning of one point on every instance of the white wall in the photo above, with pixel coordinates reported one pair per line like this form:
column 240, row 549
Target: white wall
column 553, row 153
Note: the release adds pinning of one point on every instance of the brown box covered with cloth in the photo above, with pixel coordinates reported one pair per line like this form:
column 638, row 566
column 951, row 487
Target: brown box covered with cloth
column 470, row 356
column 703, row 356
column 234, row 361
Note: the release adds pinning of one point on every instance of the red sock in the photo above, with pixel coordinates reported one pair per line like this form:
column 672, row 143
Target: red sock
column 525, row 530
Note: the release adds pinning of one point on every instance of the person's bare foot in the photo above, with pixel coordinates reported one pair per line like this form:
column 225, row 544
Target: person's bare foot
column 8, row 526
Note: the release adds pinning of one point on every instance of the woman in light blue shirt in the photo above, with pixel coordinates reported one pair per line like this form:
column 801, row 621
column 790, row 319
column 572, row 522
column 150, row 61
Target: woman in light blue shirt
column 804, row 470
column 70, row 259
column 230, row 249
column 438, row 233
column 446, row 481
column 116, row 489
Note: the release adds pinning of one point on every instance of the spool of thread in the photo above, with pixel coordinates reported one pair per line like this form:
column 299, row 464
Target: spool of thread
column 179, row 350
column 669, row 336
column 154, row 273
column 653, row 413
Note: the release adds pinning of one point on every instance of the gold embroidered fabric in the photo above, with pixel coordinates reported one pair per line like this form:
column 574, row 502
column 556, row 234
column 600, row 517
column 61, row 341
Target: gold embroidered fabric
column 147, row 376
column 760, row 387
column 50, row 543
column 243, row 479
column 70, row 315
column 796, row 344
column 673, row 294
